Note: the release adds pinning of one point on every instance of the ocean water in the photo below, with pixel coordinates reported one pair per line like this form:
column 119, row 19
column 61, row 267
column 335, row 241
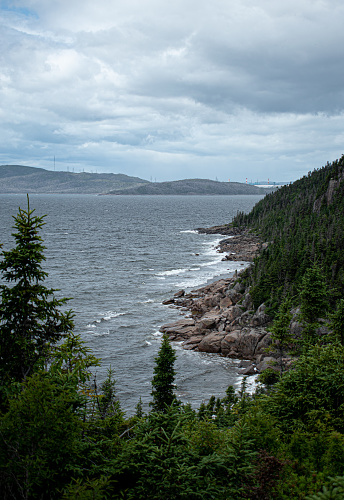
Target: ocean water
column 119, row 257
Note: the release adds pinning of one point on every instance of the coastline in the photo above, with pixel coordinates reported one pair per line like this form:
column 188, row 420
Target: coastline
column 220, row 317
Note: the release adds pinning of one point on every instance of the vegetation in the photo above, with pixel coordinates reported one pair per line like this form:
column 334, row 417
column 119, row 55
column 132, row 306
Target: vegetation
column 304, row 225
column 63, row 437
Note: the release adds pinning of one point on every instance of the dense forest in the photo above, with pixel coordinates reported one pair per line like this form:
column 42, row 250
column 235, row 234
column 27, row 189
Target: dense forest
column 64, row 436
column 304, row 225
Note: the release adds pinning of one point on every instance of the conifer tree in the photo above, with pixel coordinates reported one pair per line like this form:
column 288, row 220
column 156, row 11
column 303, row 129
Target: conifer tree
column 280, row 331
column 313, row 301
column 30, row 316
column 337, row 322
column 162, row 383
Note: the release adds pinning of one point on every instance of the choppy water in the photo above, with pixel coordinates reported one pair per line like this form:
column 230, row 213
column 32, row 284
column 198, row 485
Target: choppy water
column 119, row 257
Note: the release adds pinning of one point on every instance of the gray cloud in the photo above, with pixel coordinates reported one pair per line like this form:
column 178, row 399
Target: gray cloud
column 223, row 89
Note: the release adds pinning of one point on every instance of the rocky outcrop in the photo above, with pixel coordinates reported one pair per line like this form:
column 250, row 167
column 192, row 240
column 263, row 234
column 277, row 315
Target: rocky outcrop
column 327, row 197
column 241, row 246
column 220, row 323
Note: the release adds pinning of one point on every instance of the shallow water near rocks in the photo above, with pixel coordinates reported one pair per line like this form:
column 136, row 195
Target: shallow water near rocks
column 119, row 257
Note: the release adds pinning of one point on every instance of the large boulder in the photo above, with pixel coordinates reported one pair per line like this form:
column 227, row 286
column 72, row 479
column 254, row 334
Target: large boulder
column 192, row 342
column 229, row 342
column 243, row 343
column 211, row 342
column 180, row 330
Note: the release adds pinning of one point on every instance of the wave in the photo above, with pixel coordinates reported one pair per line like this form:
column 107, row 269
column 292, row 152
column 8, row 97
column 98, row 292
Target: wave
column 110, row 314
column 172, row 272
column 99, row 334
column 192, row 231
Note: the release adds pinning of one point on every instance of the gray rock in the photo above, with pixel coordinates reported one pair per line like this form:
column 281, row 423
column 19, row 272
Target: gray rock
column 268, row 362
column 211, row 342
column 250, row 370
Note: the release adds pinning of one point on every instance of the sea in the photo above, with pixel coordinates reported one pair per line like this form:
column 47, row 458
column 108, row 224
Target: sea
column 118, row 258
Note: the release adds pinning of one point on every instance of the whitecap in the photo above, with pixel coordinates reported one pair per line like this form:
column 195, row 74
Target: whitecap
column 157, row 334
column 192, row 231
column 171, row 272
column 100, row 334
column 110, row 315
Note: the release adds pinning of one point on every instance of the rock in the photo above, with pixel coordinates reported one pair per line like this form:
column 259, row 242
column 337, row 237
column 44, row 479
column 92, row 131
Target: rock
column 192, row 342
column 250, row 370
column 207, row 322
column 244, row 363
column 239, row 287
column 260, row 319
column 295, row 329
column 268, row 362
column 232, row 312
column 263, row 343
column 168, row 301
column 226, row 302
column 181, row 293
column 247, row 302
column 229, row 342
column 234, row 295
column 211, row 342
column 179, row 330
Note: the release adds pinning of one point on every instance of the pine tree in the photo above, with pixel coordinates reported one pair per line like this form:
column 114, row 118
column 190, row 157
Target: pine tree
column 162, row 383
column 30, row 316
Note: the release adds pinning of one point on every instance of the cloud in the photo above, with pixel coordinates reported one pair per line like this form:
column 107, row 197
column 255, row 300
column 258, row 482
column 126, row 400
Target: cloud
column 221, row 89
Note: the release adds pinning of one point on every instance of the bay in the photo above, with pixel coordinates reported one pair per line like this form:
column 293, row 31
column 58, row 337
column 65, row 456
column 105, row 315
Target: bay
column 119, row 257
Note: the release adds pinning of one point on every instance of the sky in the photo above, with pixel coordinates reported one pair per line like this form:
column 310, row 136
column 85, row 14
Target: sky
column 167, row 90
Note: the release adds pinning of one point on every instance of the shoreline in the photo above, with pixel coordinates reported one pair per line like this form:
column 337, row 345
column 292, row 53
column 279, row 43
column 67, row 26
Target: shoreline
column 220, row 317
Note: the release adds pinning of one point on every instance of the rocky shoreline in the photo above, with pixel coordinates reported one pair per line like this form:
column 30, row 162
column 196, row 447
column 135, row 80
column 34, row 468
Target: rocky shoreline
column 220, row 316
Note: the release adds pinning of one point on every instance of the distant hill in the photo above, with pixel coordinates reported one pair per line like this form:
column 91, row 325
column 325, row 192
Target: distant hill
column 22, row 179
column 193, row 187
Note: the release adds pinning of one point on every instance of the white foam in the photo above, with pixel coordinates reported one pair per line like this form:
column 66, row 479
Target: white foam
column 110, row 315
column 157, row 334
column 192, row 231
column 99, row 334
column 172, row 272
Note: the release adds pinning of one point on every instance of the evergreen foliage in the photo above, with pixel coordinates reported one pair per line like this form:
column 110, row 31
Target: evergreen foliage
column 30, row 316
column 162, row 383
column 304, row 224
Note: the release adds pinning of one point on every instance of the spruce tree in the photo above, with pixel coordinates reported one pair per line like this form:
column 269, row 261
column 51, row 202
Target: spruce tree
column 162, row 383
column 30, row 316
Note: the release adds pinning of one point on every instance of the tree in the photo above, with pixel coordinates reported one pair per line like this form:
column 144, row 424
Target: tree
column 280, row 331
column 314, row 302
column 162, row 383
column 337, row 322
column 30, row 316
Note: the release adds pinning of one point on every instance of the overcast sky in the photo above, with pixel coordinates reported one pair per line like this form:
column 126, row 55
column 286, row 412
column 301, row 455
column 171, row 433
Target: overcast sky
column 168, row 90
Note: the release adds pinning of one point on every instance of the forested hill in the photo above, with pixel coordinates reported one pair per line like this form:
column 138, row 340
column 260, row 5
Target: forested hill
column 194, row 187
column 23, row 179
column 304, row 224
